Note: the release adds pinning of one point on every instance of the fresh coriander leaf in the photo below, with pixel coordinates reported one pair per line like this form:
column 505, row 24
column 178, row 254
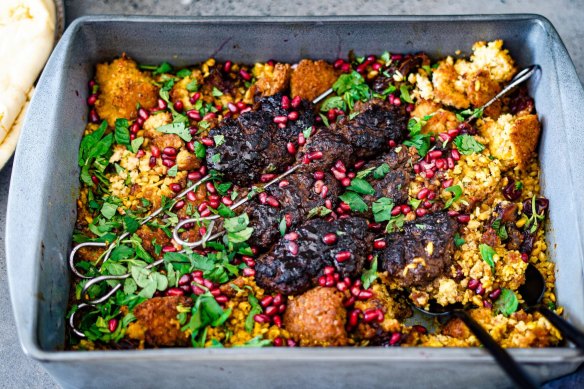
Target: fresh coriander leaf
column 354, row 201
column 223, row 187
column 500, row 229
column 216, row 158
column 136, row 143
column 130, row 286
column 333, row 102
column 418, row 140
column 389, row 90
column 365, row 172
column 307, row 132
column 258, row 341
column 282, row 226
column 193, row 86
column 122, row 134
column 179, row 129
column 458, row 240
column 396, row 223
column 361, row 186
column 381, row 171
column 200, row 150
column 324, row 120
column 382, row 209
column 405, row 94
column 131, row 225
column 256, row 309
column 236, row 224
column 168, row 84
column 219, row 139
column 507, row 303
column 456, row 191
column 240, row 236
column 183, row 73
column 386, row 57
column 224, row 211
column 318, row 211
column 415, row 203
column 518, row 185
column 172, row 172
column 370, row 275
column 216, row 92
column 467, row 145
column 459, row 117
column 487, row 253
column 164, row 67
column 108, row 210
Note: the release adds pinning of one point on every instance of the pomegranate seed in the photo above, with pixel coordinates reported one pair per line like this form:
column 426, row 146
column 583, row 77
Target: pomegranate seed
column 365, row 294
column 278, row 342
column 293, row 247
column 197, row 273
column 349, row 302
column 338, row 174
column 328, row 270
column 210, row 187
column 169, row 249
column 495, row 294
column 354, row 317
column 175, row 292
column 232, row 107
column 198, row 290
column 473, row 284
column 248, row 272
column 261, row 318
column 178, row 105
column 288, row 219
column 221, row 299
column 324, row 192
column 205, row 213
column 184, row 280
column 208, row 142
column 440, row 164
column 295, row 103
column 379, row 244
column 266, row 301
column 152, row 162
column 421, row 212
column 463, row 218
column 91, row 100
column 431, row 196
column 330, row 238
column 480, row 290
column 343, row 256
column 447, row 183
column 245, row 75
column 267, row 177
column 277, row 321
column 281, row 119
column 227, row 66
column 345, row 68
column 272, row 201
column 278, row 299
column 344, row 206
column 455, row 154
column 423, row 193
column 315, row 155
column 338, row 63
column 341, row 286
column 328, row 204
column 427, row 204
column 452, row 213
column 435, row 154
column 93, row 116
column 369, row 315
column 346, row 181
column 525, row 257
column 420, row 329
column 340, row 166
column 283, row 184
column 395, row 338
column 285, row 102
column 193, row 114
column 291, row 148
column 293, row 116
column 271, row 310
column 175, row 187
column 168, row 162
column 405, row 209
column 262, row 197
column 301, row 139
column 112, row 325
column 179, row 205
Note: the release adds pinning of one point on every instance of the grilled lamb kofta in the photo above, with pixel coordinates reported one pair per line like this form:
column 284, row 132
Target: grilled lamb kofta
column 396, row 198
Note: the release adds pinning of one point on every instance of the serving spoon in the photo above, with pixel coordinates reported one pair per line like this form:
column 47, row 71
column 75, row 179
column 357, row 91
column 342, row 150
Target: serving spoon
column 502, row 357
column 532, row 292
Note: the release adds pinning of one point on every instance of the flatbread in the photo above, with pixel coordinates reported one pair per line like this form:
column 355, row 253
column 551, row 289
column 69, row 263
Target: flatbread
column 27, row 33
column 8, row 146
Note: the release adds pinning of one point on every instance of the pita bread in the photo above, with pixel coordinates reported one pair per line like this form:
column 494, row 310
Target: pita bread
column 8, row 146
column 27, row 32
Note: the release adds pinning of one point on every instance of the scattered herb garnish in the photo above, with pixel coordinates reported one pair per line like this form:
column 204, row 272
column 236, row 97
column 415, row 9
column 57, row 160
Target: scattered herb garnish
column 418, row 140
column 458, row 240
column 318, row 211
column 456, row 191
column 354, row 201
column 467, row 145
column 370, row 275
column 487, row 253
column 507, row 302
column 382, row 209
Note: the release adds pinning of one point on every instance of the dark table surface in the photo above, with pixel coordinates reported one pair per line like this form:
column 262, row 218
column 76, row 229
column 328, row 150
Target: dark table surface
column 18, row 371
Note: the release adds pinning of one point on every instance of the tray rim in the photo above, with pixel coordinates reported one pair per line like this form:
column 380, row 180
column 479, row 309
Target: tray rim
column 29, row 341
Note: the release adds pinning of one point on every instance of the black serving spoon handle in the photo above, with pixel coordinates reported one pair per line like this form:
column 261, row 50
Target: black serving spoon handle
column 521, row 378
column 567, row 329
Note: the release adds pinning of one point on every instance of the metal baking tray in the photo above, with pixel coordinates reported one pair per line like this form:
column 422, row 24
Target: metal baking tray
column 45, row 184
